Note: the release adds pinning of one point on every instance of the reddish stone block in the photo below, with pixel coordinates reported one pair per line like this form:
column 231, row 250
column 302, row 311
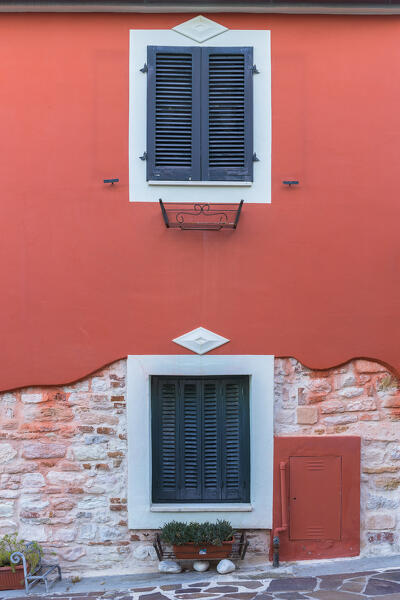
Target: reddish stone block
column 56, row 396
column 67, row 465
column 39, row 450
column 394, row 414
column 102, row 467
column 115, row 454
column 117, row 507
column 380, row 537
column 392, row 402
column 37, row 427
column 106, row 430
column 117, row 399
column 25, row 514
column 86, row 428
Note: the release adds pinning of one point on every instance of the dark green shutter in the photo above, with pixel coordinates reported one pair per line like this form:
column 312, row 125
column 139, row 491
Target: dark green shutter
column 236, row 448
column 200, row 439
column 227, row 114
column 173, row 113
column 165, row 420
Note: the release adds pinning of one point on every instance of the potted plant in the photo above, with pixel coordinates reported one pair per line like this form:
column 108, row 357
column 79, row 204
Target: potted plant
column 199, row 540
column 11, row 575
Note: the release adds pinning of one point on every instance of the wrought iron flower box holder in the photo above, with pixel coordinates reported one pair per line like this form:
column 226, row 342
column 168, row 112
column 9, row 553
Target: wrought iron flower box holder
column 200, row 216
column 41, row 571
column 239, row 549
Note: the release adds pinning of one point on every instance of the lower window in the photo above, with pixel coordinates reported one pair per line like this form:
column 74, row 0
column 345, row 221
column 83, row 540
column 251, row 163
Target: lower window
column 200, row 439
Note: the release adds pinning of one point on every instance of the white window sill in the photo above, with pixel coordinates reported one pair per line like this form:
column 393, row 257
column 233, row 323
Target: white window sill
column 204, row 183
column 182, row 508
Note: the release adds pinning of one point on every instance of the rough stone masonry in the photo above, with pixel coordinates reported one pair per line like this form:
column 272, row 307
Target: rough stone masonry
column 63, row 471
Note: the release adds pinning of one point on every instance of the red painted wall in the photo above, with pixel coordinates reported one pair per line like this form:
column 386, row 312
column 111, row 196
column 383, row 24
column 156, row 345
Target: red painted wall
column 87, row 277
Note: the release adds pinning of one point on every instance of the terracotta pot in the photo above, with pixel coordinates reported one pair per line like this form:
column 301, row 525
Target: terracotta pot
column 10, row 580
column 190, row 551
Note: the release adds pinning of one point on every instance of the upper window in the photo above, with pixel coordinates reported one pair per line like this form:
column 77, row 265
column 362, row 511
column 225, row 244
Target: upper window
column 200, row 439
column 200, row 113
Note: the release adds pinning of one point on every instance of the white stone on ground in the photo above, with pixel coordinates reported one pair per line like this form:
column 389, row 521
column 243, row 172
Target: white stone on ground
column 225, row 566
column 201, row 565
column 169, row 566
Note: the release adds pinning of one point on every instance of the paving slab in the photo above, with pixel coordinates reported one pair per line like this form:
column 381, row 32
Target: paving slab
column 335, row 595
column 381, row 587
column 389, row 575
column 298, row 584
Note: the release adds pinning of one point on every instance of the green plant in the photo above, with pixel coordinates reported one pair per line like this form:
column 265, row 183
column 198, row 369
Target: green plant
column 387, row 382
column 207, row 533
column 10, row 543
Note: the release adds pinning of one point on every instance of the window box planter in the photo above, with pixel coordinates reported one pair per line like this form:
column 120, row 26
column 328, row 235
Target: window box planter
column 12, row 579
column 192, row 552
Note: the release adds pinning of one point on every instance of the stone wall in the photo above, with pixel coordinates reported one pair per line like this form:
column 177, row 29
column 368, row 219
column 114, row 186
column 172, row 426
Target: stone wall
column 359, row 398
column 63, row 471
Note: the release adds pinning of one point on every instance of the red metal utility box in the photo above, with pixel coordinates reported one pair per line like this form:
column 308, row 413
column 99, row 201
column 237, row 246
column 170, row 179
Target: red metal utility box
column 322, row 477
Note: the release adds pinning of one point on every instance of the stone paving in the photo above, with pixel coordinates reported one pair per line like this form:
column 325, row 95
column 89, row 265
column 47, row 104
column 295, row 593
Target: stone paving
column 380, row 584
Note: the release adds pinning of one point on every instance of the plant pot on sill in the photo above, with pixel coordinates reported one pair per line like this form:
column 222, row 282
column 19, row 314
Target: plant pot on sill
column 10, row 580
column 190, row 551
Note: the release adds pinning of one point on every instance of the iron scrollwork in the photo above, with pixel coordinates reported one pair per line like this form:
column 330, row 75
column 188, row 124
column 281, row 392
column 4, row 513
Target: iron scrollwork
column 205, row 209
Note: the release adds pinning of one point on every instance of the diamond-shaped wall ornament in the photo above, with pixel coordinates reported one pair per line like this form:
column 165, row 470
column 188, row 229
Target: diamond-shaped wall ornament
column 200, row 340
column 200, row 29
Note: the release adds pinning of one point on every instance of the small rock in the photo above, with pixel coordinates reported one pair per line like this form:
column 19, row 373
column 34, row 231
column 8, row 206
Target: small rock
column 169, row 566
column 201, row 565
column 225, row 566
column 142, row 552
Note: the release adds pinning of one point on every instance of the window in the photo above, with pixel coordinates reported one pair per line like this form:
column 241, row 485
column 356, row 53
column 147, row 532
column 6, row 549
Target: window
column 199, row 113
column 200, row 439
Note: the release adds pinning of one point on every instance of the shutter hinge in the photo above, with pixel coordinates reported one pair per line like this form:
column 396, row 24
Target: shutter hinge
column 144, row 156
column 255, row 157
column 254, row 70
column 144, row 69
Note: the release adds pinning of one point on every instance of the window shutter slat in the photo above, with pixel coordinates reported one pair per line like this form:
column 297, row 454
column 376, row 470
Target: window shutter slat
column 173, row 105
column 164, row 437
column 191, row 440
column 227, row 114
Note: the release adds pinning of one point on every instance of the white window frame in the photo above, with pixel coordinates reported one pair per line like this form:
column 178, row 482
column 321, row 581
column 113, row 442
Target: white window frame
column 142, row 514
column 256, row 191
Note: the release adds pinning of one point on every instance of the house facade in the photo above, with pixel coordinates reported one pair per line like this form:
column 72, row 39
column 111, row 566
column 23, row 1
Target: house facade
column 199, row 276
